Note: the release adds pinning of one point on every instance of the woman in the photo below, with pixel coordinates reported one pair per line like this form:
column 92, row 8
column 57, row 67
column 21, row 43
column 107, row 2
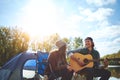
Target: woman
column 96, row 70
column 57, row 63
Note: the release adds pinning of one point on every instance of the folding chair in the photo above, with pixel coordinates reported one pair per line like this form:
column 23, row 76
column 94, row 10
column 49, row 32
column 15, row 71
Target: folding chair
column 42, row 62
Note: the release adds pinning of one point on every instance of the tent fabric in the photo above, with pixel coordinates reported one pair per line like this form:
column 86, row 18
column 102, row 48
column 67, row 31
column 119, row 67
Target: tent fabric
column 12, row 70
column 30, row 65
column 4, row 73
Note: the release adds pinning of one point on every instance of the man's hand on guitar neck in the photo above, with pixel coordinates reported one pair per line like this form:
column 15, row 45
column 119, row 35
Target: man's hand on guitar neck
column 105, row 63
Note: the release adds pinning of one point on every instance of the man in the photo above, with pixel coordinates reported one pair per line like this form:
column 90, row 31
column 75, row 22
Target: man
column 96, row 70
column 57, row 64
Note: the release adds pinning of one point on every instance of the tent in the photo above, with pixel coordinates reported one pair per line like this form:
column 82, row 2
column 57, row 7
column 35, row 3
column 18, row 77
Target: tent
column 13, row 69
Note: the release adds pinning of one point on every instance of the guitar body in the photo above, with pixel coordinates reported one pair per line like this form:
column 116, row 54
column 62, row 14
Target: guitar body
column 80, row 57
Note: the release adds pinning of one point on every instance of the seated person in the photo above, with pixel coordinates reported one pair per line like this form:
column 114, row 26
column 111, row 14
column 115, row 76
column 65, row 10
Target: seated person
column 95, row 71
column 57, row 64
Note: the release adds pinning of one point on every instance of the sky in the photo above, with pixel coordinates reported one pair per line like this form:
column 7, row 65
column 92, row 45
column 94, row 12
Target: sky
column 98, row 19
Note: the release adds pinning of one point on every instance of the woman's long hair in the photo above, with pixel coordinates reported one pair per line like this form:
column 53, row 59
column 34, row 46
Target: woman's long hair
column 62, row 52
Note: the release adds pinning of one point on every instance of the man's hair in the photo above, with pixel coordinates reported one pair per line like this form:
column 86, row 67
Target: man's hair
column 89, row 38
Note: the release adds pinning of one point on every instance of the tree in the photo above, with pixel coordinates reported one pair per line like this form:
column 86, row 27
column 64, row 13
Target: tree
column 46, row 44
column 113, row 56
column 12, row 41
column 78, row 43
column 119, row 51
column 68, row 42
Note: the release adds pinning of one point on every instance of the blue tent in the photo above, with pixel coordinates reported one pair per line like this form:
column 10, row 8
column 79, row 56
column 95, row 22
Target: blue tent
column 13, row 69
column 30, row 65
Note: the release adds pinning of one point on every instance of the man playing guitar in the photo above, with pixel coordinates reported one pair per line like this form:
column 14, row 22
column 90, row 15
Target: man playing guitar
column 96, row 70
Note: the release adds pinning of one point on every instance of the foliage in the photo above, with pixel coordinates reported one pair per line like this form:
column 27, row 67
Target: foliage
column 115, row 71
column 113, row 56
column 74, row 43
column 48, row 43
column 78, row 42
column 12, row 41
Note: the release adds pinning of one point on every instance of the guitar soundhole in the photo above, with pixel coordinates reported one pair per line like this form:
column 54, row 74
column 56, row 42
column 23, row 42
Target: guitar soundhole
column 86, row 61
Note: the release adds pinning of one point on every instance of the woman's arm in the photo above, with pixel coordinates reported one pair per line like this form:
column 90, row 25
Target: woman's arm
column 74, row 51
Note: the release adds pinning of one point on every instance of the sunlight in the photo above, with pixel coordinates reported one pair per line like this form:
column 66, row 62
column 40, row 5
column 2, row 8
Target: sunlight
column 39, row 18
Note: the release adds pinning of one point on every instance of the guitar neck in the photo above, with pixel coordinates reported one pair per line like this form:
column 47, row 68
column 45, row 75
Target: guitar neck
column 96, row 60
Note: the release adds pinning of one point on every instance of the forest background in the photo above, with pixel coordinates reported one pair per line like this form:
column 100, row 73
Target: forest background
column 13, row 41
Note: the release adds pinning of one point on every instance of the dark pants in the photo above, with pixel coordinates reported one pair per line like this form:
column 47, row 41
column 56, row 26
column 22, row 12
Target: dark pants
column 65, row 74
column 91, row 72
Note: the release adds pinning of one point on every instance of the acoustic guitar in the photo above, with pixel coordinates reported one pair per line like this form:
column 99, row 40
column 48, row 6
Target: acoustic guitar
column 86, row 59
